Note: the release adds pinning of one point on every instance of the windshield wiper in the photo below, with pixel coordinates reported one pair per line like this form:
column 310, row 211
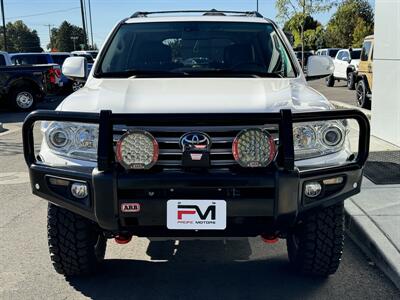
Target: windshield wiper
column 141, row 73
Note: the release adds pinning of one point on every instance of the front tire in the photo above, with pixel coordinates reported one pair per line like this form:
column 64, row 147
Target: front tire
column 330, row 81
column 315, row 246
column 77, row 246
column 351, row 81
column 361, row 94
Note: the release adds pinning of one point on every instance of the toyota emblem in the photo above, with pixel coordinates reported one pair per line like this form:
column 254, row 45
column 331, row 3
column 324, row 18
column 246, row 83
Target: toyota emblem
column 195, row 140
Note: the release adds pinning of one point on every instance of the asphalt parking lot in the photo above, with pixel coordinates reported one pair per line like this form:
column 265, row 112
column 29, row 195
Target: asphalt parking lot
column 245, row 269
column 338, row 92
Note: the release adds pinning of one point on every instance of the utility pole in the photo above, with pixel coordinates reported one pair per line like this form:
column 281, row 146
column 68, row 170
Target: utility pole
column 4, row 26
column 91, row 24
column 49, row 25
column 83, row 25
column 74, row 38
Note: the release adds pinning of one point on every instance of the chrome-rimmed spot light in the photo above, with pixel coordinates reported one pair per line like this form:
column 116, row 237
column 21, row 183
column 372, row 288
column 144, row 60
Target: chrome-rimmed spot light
column 312, row 189
column 137, row 150
column 253, row 148
column 79, row 190
column 332, row 135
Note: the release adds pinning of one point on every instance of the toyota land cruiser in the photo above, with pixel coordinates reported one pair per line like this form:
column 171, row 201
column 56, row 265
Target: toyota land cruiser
column 196, row 126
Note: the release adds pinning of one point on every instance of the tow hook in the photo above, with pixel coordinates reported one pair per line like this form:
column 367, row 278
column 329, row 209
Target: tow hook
column 269, row 239
column 123, row 239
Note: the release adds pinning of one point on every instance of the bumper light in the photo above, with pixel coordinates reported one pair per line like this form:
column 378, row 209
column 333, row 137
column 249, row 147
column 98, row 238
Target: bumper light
column 79, row 190
column 137, row 150
column 312, row 189
column 335, row 180
column 253, row 148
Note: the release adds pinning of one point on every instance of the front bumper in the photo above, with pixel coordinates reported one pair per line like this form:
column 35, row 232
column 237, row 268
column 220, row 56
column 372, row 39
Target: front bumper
column 259, row 201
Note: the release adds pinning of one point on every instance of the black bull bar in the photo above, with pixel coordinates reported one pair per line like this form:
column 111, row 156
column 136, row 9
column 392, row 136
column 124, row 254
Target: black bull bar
column 285, row 161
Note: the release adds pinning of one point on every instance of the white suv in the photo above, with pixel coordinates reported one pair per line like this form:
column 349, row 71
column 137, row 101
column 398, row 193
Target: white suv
column 193, row 127
column 346, row 65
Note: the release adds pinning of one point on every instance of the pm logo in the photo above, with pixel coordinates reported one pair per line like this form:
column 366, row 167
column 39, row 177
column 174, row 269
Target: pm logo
column 195, row 210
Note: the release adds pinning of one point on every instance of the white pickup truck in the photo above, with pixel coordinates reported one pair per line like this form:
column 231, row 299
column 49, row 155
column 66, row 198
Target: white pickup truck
column 346, row 65
column 196, row 126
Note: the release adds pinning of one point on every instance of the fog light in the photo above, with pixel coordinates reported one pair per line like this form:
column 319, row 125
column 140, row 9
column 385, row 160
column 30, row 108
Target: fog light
column 312, row 189
column 79, row 190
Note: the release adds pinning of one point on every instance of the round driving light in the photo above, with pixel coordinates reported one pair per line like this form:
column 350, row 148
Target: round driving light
column 312, row 189
column 253, row 148
column 58, row 138
column 137, row 150
column 304, row 137
column 332, row 136
column 79, row 190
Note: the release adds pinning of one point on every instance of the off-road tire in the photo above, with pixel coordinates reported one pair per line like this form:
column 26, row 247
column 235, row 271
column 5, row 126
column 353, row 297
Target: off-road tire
column 361, row 94
column 76, row 245
column 315, row 246
column 330, row 81
column 351, row 84
column 26, row 92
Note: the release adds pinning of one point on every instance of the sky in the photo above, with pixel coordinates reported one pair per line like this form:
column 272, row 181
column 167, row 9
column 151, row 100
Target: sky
column 38, row 14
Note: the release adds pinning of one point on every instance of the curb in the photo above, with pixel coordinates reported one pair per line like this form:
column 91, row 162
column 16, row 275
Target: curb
column 338, row 104
column 372, row 241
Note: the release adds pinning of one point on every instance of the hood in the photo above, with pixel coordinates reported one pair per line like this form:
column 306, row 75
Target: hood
column 355, row 62
column 194, row 95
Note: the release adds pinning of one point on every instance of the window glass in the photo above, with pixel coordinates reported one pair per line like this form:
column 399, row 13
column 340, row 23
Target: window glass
column 355, row 54
column 340, row 55
column 195, row 47
column 29, row 59
column 332, row 53
column 365, row 50
column 2, row 60
column 59, row 59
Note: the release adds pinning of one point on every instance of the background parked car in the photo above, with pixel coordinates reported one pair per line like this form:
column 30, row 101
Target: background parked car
column 364, row 74
column 21, row 87
column 346, row 64
column 328, row 51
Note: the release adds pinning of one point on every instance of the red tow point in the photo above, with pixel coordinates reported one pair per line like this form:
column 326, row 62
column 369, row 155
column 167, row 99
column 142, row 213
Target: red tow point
column 269, row 239
column 122, row 240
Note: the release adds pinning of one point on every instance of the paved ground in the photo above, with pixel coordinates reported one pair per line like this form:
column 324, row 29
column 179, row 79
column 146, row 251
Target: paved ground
column 339, row 92
column 246, row 269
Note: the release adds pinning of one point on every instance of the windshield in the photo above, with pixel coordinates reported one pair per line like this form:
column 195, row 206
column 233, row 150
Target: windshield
column 196, row 48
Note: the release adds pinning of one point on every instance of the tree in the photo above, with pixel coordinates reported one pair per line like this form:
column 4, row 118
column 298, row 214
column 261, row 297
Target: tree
column 310, row 27
column 20, row 38
column 66, row 38
column 353, row 20
column 302, row 9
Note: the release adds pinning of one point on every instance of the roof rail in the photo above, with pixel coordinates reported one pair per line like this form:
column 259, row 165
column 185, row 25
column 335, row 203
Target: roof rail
column 212, row 12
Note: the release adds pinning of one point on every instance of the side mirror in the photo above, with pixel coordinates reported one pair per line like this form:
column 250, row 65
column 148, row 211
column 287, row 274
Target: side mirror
column 75, row 68
column 319, row 66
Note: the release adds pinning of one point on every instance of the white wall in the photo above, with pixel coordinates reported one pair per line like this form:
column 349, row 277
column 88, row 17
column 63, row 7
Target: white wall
column 386, row 67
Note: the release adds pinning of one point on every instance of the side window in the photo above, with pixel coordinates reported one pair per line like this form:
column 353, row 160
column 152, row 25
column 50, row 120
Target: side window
column 340, row 55
column 365, row 51
column 2, row 60
column 345, row 56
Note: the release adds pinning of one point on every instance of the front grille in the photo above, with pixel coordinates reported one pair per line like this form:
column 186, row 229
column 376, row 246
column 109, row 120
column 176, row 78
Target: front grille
column 168, row 138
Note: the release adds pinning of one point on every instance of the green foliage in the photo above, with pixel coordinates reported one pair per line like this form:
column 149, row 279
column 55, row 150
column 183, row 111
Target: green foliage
column 20, row 38
column 353, row 20
column 62, row 38
column 297, row 15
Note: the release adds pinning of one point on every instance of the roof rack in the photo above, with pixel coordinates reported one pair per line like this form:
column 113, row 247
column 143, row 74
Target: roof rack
column 212, row 12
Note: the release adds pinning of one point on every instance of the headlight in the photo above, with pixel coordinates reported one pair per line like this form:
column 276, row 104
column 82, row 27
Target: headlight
column 74, row 140
column 137, row 150
column 316, row 139
column 253, row 148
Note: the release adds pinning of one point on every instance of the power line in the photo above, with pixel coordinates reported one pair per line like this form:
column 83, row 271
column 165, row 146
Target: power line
column 44, row 13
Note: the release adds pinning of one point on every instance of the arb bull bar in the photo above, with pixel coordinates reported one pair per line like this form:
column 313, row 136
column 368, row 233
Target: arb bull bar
column 109, row 184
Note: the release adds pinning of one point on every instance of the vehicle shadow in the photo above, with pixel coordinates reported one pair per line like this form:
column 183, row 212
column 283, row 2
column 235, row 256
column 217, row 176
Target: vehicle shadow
column 198, row 270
